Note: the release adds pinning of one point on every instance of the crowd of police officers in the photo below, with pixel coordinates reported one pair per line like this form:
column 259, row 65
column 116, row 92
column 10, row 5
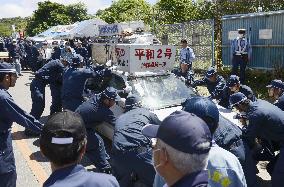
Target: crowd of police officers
column 77, row 86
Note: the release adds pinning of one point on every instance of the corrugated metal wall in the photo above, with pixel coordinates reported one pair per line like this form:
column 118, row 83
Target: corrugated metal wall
column 266, row 53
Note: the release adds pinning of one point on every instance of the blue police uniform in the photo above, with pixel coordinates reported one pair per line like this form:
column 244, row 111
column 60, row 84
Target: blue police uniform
column 14, row 53
column 212, row 87
column 77, row 175
column 99, row 83
column 32, row 57
column 280, row 102
column 11, row 112
column 226, row 93
column 188, row 75
column 240, row 54
column 229, row 137
column 93, row 112
column 51, row 73
column 73, row 85
column 187, row 56
column 132, row 153
column 196, row 179
column 56, row 53
column 82, row 51
column 265, row 121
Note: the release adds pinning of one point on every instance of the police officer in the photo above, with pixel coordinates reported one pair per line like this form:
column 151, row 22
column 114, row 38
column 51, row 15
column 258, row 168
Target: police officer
column 233, row 85
column 226, row 134
column 97, row 84
column 95, row 111
column 276, row 90
column 265, row 121
column 14, row 54
column 81, row 50
column 56, row 51
column 74, row 80
column 51, row 73
column 214, row 82
column 132, row 153
column 32, row 55
column 240, row 54
column 63, row 141
column 186, row 54
column 10, row 112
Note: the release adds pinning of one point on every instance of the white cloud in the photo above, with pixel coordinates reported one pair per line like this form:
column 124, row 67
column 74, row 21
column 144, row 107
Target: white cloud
column 25, row 8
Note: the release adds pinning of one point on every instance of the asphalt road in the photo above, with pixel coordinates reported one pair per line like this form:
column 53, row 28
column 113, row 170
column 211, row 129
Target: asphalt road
column 32, row 168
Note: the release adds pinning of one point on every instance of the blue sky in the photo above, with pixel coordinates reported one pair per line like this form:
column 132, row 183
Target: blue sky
column 14, row 8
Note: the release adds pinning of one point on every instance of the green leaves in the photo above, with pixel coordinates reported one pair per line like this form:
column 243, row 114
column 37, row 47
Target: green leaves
column 126, row 10
column 51, row 14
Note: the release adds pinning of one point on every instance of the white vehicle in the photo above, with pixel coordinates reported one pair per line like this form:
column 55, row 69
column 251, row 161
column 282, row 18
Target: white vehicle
column 161, row 91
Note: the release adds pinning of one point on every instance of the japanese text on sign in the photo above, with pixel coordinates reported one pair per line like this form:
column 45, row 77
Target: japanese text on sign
column 140, row 58
column 150, row 53
column 108, row 30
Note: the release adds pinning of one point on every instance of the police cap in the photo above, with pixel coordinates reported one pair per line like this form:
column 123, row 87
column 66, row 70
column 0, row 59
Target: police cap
column 233, row 80
column 276, row 83
column 7, row 68
column 63, row 128
column 237, row 98
column 111, row 93
column 183, row 131
column 210, row 72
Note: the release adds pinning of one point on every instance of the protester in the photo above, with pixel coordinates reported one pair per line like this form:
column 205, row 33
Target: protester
column 181, row 152
column 63, row 141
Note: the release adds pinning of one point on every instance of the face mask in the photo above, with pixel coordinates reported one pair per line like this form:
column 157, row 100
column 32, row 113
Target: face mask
column 153, row 158
column 241, row 35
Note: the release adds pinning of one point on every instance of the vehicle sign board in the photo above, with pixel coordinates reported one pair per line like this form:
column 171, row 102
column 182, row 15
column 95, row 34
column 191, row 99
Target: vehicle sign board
column 142, row 58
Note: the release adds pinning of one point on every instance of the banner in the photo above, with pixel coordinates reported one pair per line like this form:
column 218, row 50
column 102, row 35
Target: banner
column 141, row 58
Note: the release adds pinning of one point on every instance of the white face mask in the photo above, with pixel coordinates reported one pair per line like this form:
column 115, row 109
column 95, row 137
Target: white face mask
column 153, row 159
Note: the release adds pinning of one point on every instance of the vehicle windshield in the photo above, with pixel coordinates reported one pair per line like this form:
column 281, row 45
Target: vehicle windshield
column 161, row 91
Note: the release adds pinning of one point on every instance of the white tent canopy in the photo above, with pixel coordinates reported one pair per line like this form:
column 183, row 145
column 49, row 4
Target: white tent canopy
column 52, row 32
column 87, row 28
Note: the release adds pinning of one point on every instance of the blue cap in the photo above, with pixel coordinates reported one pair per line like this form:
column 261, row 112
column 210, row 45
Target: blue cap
column 276, row 84
column 132, row 100
column 210, row 72
column 202, row 107
column 233, row 80
column 185, row 62
column 7, row 68
column 111, row 93
column 183, row 131
column 237, row 98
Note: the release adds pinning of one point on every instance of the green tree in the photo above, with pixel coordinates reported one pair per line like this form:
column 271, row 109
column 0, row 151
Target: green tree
column 51, row 14
column 6, row 25
column 126, row 10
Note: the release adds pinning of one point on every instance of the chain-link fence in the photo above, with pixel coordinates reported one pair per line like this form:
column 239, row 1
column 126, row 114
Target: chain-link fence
column 199, row 35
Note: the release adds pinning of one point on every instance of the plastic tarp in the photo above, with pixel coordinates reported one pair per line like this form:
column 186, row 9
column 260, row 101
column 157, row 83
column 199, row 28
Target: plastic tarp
column 53, row 32
column 87, row 28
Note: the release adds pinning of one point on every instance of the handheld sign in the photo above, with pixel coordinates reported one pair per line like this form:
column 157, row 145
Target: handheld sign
column 141, row 58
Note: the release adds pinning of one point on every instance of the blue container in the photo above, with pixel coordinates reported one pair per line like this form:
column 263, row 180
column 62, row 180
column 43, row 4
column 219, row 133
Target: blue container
column 267, row 51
